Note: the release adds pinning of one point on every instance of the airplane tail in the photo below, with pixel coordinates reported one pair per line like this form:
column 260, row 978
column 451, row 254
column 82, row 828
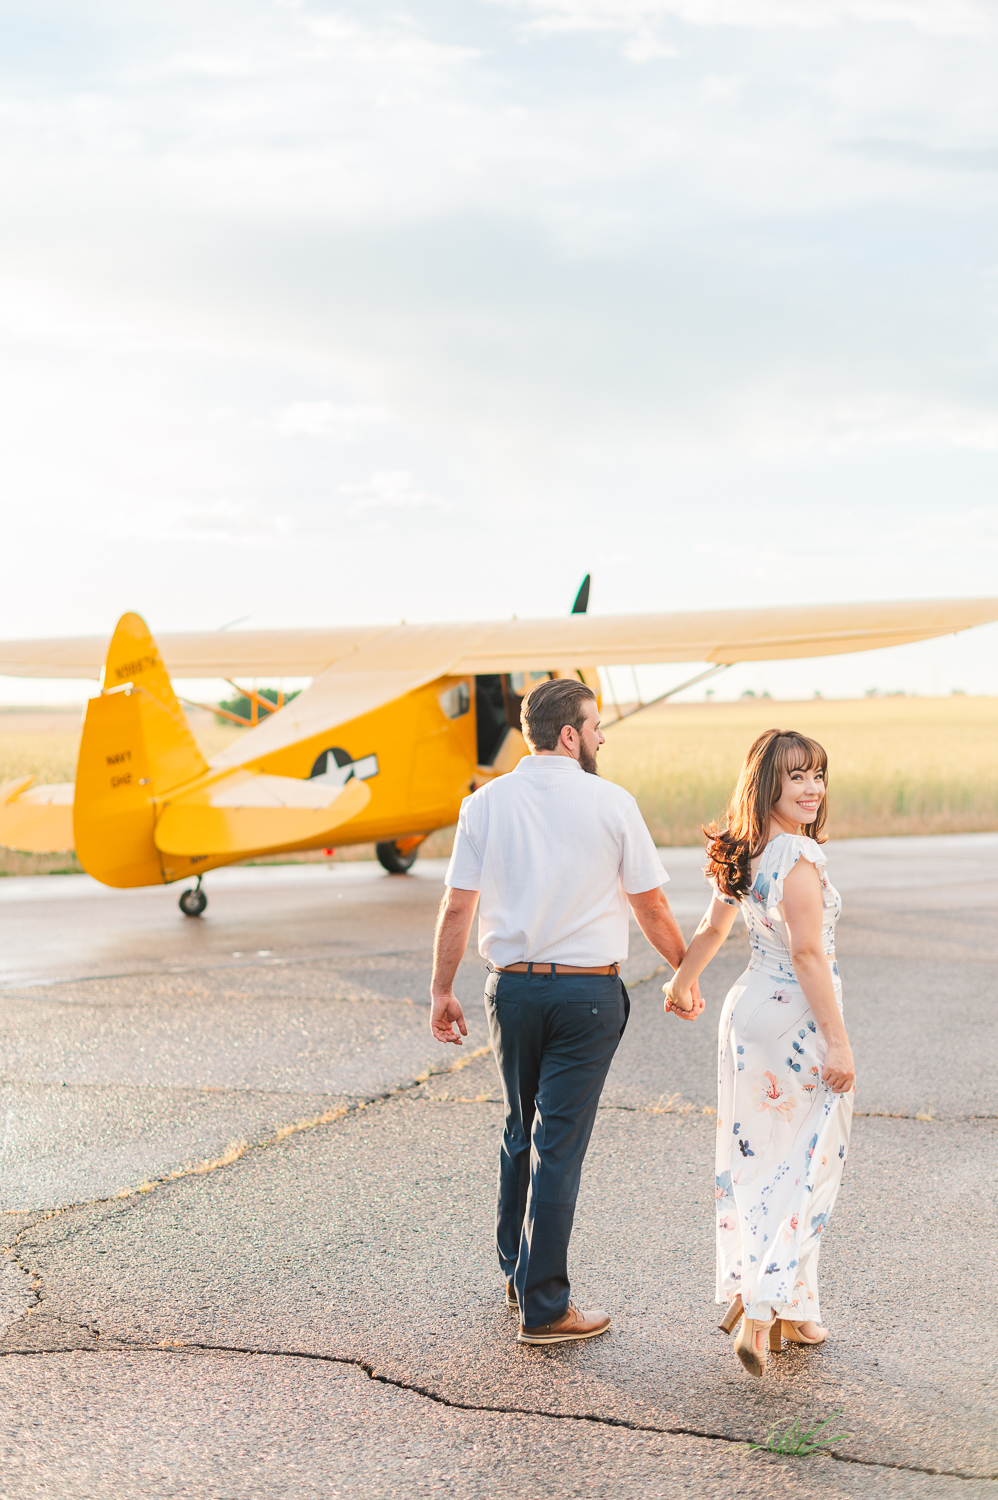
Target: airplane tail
column 136, row 747
column 149, row 811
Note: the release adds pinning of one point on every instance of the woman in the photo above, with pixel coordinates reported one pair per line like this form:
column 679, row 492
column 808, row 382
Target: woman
column 785, row 1068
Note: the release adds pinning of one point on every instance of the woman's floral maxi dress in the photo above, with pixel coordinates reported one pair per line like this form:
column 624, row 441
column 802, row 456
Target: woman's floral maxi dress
column 782, row 1134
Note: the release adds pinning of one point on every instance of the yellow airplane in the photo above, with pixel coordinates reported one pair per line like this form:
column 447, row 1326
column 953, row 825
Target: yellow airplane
column 399, row 724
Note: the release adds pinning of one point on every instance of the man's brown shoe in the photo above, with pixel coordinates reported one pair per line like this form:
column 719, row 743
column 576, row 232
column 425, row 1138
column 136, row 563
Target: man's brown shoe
column 511, row 1301
column 570, row 1326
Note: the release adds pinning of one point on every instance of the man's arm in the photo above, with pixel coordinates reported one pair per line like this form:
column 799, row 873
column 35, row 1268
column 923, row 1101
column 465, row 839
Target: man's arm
column 457, row 911
column 654, row 916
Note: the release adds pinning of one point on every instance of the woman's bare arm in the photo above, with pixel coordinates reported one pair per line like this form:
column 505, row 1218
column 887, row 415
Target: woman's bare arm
column 714, row 928
column 802, row 911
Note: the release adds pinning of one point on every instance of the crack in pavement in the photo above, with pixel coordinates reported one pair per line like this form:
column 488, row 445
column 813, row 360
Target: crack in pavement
column 182, row 1346
column 688, row 1108
column 239, row 1149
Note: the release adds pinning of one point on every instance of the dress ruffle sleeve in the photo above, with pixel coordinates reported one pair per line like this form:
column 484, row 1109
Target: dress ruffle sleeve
column 791, row 848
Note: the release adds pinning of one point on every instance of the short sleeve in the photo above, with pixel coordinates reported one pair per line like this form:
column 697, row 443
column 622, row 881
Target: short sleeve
column 795, row 847
column 640, row 867
column 465, row 869
column 719, row 895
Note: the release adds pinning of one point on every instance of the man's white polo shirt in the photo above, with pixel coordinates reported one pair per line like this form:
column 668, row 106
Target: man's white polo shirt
column 553, row 851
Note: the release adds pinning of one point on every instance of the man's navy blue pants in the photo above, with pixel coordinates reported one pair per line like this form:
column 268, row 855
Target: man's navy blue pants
column 554, row 1037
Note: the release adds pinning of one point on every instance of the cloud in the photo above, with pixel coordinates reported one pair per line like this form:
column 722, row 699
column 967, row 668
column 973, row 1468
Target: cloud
column 980, row 157
column 390, row 490
column 341, row 424
column 781, row 423
column 472, row 258
column 241, row 523
column 933, row 17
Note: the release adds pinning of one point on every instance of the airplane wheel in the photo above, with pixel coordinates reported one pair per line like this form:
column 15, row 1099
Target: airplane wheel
column 393, row 860
column 193, row 902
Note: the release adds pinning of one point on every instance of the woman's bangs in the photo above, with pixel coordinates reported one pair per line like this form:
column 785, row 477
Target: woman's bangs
column 798, row 752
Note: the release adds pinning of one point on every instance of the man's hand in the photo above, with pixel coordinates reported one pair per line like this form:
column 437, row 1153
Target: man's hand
column 447, row 1018
column 450, row 940
column 686, row 1004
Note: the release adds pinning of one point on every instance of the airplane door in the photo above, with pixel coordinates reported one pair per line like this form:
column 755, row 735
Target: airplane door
column 490, row 716
column 498, row 697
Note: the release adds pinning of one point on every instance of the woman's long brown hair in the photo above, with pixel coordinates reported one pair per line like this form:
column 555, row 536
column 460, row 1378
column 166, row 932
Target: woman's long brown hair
column 731, row 850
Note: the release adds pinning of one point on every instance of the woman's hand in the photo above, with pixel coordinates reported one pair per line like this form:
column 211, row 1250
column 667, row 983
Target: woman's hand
column 677, row 999
column 839, row 1071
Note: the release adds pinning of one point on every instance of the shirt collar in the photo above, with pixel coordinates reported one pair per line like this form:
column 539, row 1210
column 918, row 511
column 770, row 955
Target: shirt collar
column 546, row 762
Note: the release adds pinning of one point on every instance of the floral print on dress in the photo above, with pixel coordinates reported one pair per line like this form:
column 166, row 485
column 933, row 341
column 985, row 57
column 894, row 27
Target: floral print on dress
column 769, row 1094
column 778, row 1169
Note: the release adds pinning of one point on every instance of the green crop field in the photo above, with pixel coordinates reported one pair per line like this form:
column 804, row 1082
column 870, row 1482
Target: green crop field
column 896, row 765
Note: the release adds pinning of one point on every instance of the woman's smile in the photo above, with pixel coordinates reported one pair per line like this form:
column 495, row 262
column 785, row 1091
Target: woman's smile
column 801, row 796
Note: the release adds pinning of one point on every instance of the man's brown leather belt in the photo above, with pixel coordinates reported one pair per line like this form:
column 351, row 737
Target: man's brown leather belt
column 558, row 969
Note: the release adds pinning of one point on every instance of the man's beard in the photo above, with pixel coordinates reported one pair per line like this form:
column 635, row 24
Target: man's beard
column 587, row 760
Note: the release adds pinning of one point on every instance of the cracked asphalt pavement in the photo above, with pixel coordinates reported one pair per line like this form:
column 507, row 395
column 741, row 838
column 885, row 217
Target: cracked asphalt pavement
column 248, row 1208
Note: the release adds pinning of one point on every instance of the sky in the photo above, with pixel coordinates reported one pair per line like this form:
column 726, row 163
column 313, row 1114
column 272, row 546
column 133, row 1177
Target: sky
column 315, row 313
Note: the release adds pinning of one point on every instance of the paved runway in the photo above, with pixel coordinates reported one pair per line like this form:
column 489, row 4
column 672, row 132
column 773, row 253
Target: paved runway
column 249, row 1208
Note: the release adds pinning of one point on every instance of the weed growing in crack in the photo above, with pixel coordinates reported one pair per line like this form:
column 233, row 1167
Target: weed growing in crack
column 792, row 1438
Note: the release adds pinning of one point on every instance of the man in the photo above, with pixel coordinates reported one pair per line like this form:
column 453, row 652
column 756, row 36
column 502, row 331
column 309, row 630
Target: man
column 556, row 854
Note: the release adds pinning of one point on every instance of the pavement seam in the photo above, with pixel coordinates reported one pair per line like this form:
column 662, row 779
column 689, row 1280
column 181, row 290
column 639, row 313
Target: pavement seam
column 687, row 1107
column 170, row 1346
column 238, row 1149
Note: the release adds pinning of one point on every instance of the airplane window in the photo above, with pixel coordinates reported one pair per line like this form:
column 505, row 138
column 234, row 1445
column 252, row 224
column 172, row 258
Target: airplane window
column 520, row 682
column 455, row 701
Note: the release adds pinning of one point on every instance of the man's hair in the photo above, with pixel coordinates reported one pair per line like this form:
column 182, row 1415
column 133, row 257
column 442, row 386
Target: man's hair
column 549, row 706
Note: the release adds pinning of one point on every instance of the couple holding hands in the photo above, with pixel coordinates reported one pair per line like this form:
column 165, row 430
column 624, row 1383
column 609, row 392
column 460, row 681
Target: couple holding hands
column 552, row 855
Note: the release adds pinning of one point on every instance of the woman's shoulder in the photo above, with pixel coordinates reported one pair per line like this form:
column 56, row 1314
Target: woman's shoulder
column 787, row 851
column 792, row 846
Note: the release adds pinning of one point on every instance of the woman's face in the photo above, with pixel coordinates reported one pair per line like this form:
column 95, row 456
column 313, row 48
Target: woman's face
column 800, row 798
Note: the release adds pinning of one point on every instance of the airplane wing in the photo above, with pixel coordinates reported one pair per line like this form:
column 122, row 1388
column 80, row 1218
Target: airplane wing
column 730, row 635
column 407, row 652
column 234, row 809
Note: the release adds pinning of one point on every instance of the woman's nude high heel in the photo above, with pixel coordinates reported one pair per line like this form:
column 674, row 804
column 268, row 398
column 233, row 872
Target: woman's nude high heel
column 747, row 1348
column 734, row 1312
column 792, row 1333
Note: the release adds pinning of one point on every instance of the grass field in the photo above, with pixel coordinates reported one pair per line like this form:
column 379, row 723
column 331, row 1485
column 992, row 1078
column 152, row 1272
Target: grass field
column 896, row 765
column 43, row 743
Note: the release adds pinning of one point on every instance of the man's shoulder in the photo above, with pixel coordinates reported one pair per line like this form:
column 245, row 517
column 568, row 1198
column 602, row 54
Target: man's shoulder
column 604, row 798
column 609, row 793
column 592, row 789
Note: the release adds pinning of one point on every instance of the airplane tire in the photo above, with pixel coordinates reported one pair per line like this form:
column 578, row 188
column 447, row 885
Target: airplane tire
column 393, row 860
column 193, row 902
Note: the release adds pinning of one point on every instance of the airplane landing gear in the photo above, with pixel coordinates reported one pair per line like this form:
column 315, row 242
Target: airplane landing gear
column 398, row 856
column 193, row 902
